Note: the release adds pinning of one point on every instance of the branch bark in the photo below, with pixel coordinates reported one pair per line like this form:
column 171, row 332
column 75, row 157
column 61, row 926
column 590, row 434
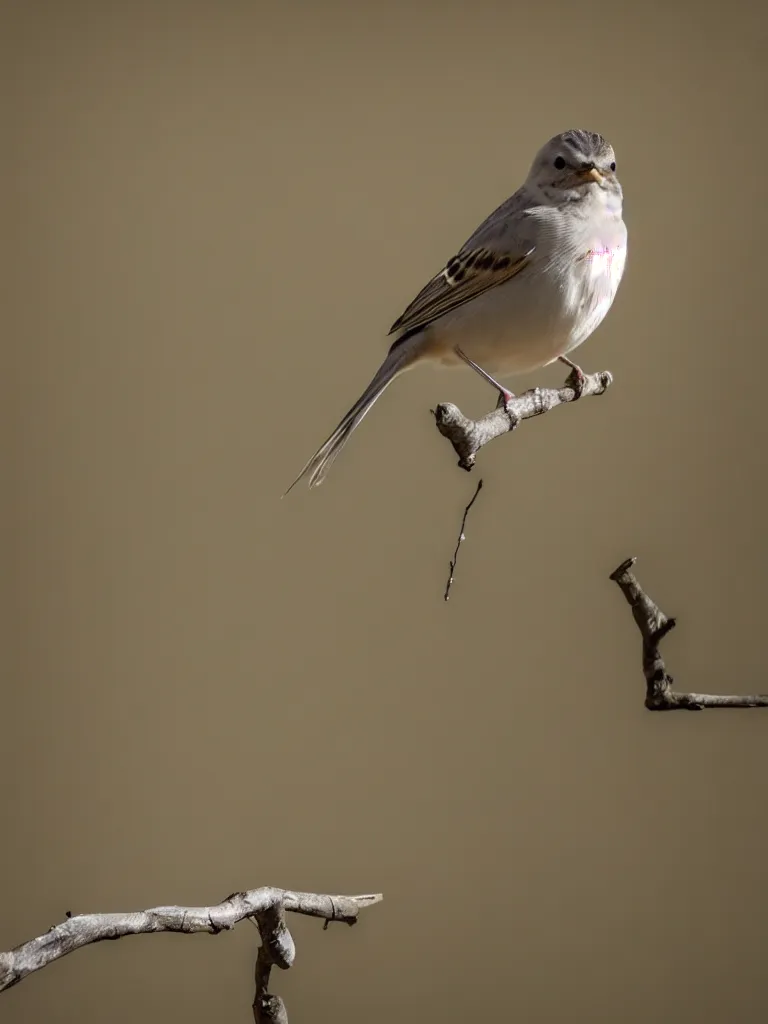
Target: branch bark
column 469, row 436
column 654, row 626
column 266, row 907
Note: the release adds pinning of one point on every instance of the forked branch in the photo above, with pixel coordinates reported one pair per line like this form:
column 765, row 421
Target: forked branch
column 654, row 626
column 266, row 907
column 469, row 436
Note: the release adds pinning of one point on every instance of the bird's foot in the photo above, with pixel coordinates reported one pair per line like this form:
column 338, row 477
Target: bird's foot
column 505, row 400
column 505, row 396
column 576, row 378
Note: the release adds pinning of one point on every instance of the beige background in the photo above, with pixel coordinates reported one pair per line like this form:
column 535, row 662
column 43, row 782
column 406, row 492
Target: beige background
column 215, row 210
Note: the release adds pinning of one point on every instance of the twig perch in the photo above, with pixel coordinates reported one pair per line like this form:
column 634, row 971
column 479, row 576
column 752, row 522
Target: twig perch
column 654, row 626
column 266, row 907
column 469, row 436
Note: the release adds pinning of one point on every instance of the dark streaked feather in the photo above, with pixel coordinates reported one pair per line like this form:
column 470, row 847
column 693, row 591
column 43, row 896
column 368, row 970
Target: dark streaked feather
column 465, row 277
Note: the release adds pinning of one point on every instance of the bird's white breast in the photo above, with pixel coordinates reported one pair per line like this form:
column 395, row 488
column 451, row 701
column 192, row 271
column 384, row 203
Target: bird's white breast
column 593, row 282
column 551, row 307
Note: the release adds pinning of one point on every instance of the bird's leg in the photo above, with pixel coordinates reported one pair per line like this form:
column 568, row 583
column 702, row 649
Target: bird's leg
column 505, row 396
column 577, row 375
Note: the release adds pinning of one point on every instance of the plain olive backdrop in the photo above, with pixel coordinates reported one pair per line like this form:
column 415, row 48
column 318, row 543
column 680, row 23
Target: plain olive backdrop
column 213, row 212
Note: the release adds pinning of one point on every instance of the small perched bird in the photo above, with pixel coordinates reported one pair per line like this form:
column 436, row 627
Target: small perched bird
column 530, row 285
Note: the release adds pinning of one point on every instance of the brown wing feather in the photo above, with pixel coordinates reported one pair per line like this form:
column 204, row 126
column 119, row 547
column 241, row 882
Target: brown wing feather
column 465, row 276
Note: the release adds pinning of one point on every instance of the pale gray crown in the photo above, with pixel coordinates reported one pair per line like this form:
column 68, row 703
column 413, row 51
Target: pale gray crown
column 590, row 147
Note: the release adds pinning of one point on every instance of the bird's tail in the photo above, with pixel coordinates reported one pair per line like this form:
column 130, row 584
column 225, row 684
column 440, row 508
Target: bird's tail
column 398, row 359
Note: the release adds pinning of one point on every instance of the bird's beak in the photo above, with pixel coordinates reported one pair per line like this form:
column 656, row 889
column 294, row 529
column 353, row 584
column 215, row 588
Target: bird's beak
column 592, row 174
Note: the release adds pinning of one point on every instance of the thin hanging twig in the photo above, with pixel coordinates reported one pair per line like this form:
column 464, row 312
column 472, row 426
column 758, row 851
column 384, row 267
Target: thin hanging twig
column 455, row 558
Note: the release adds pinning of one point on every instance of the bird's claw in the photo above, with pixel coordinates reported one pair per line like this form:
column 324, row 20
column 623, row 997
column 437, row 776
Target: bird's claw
column 576, row 379
column 505, row 401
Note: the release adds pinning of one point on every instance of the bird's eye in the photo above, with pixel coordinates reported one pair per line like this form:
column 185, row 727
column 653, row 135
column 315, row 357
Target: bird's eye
column 559, row 163
column 613, row 166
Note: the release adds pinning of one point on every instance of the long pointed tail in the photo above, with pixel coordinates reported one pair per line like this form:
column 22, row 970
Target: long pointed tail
column 323, row 459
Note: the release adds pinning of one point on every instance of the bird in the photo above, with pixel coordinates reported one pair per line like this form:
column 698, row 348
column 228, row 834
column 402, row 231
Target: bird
column 529, row 286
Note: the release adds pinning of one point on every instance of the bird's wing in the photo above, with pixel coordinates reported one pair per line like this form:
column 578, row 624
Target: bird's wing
column 500, row 248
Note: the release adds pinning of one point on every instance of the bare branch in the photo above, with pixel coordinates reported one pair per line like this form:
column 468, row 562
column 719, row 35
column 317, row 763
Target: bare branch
column 459, row 542
column 654, row 626
column 469, row 436
column 265, row 906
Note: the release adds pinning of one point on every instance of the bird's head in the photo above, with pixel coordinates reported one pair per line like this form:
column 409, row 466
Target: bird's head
column 574, row 165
